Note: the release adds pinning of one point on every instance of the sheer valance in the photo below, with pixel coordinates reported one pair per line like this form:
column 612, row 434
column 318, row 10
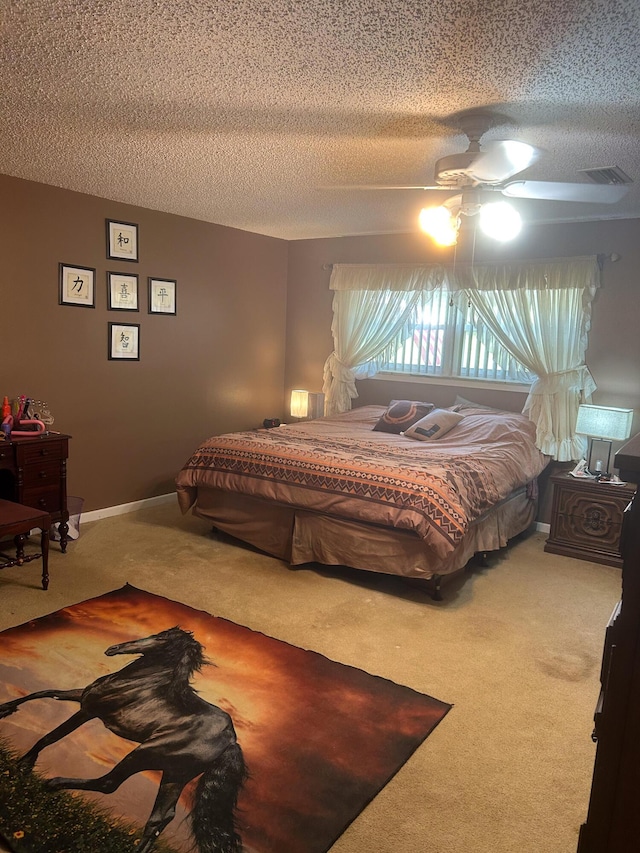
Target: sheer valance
column 395, row 277
column 580, row 272
column 540, row 312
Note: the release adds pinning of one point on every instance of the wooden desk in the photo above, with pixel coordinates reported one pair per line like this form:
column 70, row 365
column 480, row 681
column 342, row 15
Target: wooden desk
column 33, row 472
column 18, row 521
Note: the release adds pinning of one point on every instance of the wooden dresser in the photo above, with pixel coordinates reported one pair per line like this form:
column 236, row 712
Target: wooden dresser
column 613, row 819
column 33, row 472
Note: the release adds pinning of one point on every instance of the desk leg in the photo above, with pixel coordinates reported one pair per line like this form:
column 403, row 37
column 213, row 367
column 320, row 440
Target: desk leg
column 63, row 530
column 44, row 547
column 19, row 543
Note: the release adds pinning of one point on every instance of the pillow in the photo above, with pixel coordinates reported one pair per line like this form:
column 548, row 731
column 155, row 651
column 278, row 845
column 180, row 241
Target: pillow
column 461, row 403
column 436, row 424
column 400, row 414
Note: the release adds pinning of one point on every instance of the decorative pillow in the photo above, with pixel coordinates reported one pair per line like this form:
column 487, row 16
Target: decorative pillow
column 436, row 424
column 401, row 414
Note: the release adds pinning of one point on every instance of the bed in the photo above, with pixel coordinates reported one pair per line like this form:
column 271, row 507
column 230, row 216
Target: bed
column 341, row 491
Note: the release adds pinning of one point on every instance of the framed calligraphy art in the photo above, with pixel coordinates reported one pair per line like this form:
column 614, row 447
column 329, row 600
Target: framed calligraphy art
column 162, row 295
column 122, row 241
column 76, row 286
column 122, row 291
column 124, row 341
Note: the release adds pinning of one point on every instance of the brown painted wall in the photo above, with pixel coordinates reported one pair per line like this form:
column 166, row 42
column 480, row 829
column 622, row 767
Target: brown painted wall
column 253, row 321
column 218, row 365
column 614, row 342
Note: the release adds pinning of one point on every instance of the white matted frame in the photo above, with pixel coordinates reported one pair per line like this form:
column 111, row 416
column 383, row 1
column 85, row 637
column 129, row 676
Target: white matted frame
column 124, row 341
column 76, row 285
column 162, row 295
column 122, row 241
column 122, row 291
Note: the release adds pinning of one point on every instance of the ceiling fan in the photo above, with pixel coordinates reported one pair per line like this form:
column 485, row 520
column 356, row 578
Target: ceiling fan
column 478, row 171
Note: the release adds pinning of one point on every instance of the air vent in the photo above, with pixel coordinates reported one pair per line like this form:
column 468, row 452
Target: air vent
column 607, row 175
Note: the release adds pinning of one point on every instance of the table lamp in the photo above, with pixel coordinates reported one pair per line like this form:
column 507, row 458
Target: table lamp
column 603, row 425
column 306, row 404
column 299, row 403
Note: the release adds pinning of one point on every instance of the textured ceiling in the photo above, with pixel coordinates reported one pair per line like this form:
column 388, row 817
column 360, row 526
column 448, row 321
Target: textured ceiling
column 255, row 114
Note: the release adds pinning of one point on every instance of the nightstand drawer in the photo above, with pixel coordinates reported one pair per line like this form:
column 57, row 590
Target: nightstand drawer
column 588, row 532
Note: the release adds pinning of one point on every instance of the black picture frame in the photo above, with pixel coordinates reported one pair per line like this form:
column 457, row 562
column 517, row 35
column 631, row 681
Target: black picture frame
column 162, row 295
column 599, row 460
column 76, row 285
column 125, row 348
column 122, row 291
column 122, row 241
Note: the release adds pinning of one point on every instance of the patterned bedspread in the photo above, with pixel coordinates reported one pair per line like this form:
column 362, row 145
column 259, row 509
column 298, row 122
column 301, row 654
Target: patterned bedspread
column 339, row 466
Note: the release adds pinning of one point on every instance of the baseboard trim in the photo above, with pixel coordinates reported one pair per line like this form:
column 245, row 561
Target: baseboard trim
column 541, row 527
column 123, row 509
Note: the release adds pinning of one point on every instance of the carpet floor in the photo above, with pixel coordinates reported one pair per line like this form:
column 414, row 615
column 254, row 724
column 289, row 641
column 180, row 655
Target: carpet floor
column 514, row 647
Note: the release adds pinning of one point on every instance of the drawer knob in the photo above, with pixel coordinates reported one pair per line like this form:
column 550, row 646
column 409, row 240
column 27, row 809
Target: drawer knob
column 42, row 502
column 42, row 475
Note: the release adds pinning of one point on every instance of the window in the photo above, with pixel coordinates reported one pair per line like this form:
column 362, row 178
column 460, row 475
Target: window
column 540, row 310
column 444, row 339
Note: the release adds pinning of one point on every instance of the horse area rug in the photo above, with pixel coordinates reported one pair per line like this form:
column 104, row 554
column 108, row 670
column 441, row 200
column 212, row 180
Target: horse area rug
column 131, row 722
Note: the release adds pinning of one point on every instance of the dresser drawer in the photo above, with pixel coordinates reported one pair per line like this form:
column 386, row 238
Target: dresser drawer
column 45, row 472
column 38, row 451
column 48, row 499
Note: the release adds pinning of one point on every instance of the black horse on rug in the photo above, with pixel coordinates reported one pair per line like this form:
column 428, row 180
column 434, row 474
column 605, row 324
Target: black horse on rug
column 151, row 702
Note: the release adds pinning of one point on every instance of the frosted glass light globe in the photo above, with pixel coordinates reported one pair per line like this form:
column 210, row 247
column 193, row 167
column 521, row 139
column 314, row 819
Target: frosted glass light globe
column 500, row 220
column 438, row 223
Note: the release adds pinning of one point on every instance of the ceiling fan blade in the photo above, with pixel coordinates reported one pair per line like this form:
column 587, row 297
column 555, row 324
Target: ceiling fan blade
column 500, row 160
column 384, row 187
column 559, row 191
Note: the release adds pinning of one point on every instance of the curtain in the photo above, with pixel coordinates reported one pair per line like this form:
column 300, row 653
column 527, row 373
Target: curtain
column 372, row 305
column 540, row 312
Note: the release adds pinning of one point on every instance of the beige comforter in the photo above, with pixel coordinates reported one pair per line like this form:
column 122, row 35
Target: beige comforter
column 340, row 467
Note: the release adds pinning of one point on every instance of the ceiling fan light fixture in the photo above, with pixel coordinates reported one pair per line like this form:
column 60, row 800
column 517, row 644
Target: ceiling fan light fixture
column 520, row 154
column 500, row 221
column 440, row 224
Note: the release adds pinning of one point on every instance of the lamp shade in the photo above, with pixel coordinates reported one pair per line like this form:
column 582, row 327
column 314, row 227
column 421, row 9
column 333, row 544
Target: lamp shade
column 604, row 422
column 299, row 403
column 307, row 404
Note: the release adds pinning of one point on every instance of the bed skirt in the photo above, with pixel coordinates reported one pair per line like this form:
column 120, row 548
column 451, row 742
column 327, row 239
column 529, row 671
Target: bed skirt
column 298, row 536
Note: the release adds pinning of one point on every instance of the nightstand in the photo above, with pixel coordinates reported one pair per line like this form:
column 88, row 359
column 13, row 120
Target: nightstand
column 586, row 519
